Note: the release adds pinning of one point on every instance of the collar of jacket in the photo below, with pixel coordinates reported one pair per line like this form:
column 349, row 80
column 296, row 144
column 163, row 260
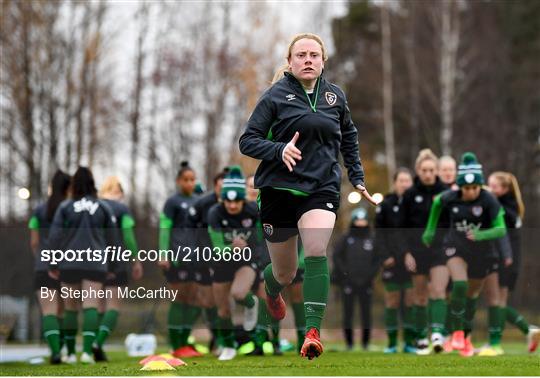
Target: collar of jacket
column 295, row 82
column 438, row 185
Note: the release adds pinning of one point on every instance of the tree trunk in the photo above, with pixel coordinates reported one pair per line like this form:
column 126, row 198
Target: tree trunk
column 449, row 48
column 390, row 146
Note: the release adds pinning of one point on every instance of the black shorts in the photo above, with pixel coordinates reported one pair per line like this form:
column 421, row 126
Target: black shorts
column 396, row 274
column 120, row 279
column 281, row 210
column 42, row 279
column 427, row 258
column 75, row 276
column 202, row 275
column 224, row 271
column 507, row 276
column 182, row 273
column 479, row 264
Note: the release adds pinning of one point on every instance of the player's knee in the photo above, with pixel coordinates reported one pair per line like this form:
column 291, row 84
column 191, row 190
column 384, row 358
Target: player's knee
column 238, row 294
column 315, row 249
column 421, row 300
column 285, row 278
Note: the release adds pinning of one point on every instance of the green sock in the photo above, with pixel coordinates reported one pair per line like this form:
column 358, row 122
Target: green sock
column 391, row 324
column 51, row 332
column 90, row 326
column 470, row 311
column 421, row 324
column 300, row 323
column 315, row 288
column 438, row 315
column 494, row 322
column 61, row 328
column 70, row 329
column 190, row 314
column 457, row 304
column 227, row 332
column 211, row 319
column 248, row 301
column 448, row 322
column 275, row 326
column 175, row 326
column 107, row 325
column 513, row 317
column 100, row 316
column 261, row 329
column 503, row 319
column 272, row 287
column 409, row 335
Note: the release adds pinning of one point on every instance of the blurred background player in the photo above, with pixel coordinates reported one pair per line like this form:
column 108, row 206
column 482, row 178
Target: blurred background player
column 198, row 222
column 234, row 225
column 112, row 193
column 505, row 187
column 175, row 235
column 448, row 171
column 80, row 223
column 476, row 219
column 52, row 311
column 397, row 280
column 355, row 266
column 430, row 275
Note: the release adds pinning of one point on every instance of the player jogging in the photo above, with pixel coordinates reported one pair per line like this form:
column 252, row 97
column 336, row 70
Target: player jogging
column 476, row 219
column 80, row 223
column 297, row 129
column 112, row 193
column 52, row 311
column 396, row 278
column 234, row 229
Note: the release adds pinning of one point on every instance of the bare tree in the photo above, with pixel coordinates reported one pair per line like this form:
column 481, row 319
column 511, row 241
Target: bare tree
column 450, row 37
column 386, row 45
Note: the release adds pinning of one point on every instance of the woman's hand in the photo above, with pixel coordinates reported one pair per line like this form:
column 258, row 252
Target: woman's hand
column 363, row 191
column 239, row 243
column 164, row 264
column 471, row 236
column 508, row 261
column 54, row 274
column 291, row 153
column 137, row 270
column 389, row 262
column 410, row 262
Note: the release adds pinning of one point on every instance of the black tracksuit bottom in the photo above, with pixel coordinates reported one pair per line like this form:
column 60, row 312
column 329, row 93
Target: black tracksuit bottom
column 364, row 296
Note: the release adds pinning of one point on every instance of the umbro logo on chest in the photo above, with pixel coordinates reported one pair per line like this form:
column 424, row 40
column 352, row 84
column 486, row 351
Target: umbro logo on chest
column 290, row 97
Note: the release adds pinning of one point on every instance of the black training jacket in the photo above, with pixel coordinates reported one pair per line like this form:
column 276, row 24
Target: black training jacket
column 355, row 260
column 388, row 220
column 81, row 224
column 416, row 206
column 513, row 224
column 284, row 109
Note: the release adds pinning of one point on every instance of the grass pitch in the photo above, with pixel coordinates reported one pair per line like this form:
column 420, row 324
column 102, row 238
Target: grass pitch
column 514, row 362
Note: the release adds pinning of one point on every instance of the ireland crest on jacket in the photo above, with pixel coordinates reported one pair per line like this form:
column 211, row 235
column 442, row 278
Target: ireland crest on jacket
column 330, row 98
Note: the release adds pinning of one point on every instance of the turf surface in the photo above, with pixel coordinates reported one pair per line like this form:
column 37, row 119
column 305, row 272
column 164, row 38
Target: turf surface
column 515, row 362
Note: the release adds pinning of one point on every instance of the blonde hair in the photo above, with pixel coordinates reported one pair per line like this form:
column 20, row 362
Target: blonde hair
column 425, row 154
column 285, row 67
column 110, row 184
column 509, row 181
column 447, row 159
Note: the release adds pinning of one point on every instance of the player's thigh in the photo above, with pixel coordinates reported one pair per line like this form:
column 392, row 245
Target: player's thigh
column 284, row 257
column 315, row 227
column 458, row 268
column 439, row 278
column 243, row 281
